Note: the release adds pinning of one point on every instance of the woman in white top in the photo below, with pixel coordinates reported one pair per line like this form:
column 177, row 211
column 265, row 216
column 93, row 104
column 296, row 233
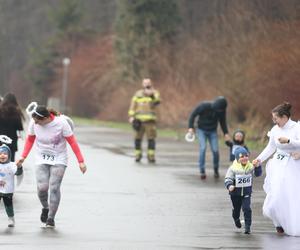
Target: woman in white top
column 51, row 132
column 282, row 203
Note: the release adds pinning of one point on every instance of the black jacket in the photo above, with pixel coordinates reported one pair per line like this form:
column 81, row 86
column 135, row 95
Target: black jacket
column 9, row 127
column 209, row 117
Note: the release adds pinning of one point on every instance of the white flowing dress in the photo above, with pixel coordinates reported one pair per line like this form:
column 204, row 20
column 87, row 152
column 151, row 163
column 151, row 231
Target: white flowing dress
column 282, row 182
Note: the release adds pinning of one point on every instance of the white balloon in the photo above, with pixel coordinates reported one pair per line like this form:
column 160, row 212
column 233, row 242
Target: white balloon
column 189, row 137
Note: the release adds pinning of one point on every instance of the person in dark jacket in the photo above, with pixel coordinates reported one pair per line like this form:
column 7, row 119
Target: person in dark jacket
column 11, row 121
column 209, row 114
column 238, row 181
column 238, row 139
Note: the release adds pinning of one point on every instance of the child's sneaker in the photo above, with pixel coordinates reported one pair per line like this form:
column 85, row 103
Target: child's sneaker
column 11, row 221
column 44, row 215
column 50, row 222
column 238, row 223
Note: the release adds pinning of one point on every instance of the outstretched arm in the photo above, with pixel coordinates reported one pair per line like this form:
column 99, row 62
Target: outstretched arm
column 268, row 151
column 28, row 145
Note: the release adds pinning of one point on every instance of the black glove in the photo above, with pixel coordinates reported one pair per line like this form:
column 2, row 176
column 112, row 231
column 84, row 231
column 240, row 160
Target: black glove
column 19, row 171
column 136, row 124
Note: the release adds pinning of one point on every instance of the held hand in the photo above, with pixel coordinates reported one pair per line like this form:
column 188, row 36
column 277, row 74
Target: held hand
column 283, row 140
column 227, row 137
column 20, row 162
column 231, row 188
column 82, row 167
column 256, row 162
column 191, row 131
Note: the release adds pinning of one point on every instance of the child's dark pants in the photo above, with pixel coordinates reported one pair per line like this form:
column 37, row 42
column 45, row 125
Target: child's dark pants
column 243, row 202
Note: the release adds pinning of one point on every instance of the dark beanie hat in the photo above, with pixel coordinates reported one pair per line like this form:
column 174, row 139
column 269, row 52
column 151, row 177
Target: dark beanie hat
column 240, row 151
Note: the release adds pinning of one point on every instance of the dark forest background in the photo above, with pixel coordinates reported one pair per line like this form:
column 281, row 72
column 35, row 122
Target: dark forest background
column 193, row 50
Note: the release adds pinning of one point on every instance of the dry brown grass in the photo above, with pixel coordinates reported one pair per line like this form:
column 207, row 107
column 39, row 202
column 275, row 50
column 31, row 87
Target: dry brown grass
column 254, row 62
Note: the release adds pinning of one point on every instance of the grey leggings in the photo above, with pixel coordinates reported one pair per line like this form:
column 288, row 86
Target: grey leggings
column 49, row 176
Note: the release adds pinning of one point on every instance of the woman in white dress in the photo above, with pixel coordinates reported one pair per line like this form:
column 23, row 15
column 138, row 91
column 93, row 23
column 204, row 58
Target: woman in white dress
column 282, row 182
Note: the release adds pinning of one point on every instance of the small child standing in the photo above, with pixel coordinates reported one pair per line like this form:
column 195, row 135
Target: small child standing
column 238, row 181
column 8, row 170
column 238, row 139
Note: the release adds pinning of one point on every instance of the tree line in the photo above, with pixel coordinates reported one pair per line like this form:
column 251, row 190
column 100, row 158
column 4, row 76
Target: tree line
column 193, row 50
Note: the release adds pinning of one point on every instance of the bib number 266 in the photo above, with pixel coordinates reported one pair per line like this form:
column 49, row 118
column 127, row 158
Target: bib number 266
column 243, row 180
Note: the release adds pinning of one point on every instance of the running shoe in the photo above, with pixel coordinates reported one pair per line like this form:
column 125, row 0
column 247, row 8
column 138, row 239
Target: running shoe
column 216, row 174
column 238, row 223
column 11, row 221
column 202, row 176
column 44, row 215
column 50, row 222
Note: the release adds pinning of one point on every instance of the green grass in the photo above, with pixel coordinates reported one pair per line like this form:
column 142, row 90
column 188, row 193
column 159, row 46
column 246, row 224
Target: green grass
column 95, row 122
column 164, row 132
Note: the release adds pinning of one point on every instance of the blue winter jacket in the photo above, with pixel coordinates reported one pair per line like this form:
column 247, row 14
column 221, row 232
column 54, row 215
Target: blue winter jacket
column 242, row 174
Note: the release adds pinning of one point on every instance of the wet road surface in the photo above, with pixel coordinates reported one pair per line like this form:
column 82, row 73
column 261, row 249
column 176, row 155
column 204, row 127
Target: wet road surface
column 119, row 204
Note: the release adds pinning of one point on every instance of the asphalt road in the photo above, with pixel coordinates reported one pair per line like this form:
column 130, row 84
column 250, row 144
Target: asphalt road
column 119, row 204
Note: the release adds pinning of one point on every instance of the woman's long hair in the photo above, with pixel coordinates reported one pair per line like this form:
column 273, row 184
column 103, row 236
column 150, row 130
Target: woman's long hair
column 10, row 109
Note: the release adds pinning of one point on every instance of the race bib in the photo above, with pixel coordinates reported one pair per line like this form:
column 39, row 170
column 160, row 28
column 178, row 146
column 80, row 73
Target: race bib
column 243, row 180
column 47, row 158
column 281, row 157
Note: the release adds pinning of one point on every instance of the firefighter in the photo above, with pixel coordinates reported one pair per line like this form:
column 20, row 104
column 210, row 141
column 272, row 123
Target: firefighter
column 142, row 116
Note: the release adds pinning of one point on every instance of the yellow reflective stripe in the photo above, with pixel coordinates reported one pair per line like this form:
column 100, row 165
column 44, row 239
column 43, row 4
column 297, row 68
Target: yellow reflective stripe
column 150, row 152
column 156, row 97
column 143, row 99
column 145, row 117
column 131, row 112
column 138, row 152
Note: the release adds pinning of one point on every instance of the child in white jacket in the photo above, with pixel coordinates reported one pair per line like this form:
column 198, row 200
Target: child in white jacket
column 8, row 170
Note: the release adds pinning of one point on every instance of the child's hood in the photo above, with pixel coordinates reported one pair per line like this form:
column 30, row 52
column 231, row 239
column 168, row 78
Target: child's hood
column 238, row 142
column 238, row 166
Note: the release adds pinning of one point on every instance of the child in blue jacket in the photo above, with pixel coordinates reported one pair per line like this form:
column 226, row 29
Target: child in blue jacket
column 238, row 181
